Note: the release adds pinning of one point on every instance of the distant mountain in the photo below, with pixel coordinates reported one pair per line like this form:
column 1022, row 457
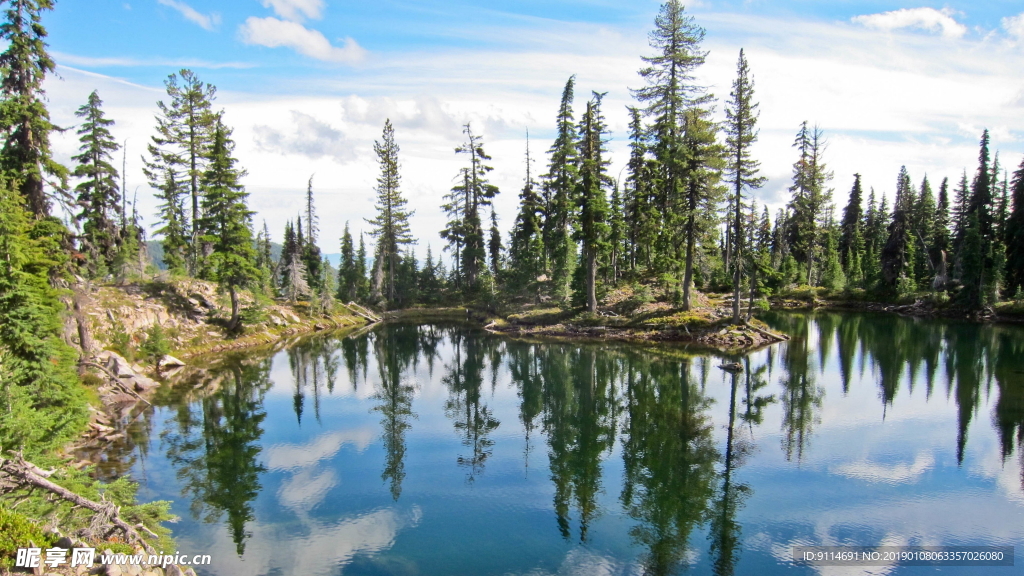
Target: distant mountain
column 156, row 253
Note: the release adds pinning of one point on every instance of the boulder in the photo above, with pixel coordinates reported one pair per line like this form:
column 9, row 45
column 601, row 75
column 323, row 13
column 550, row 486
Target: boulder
column 169, row 361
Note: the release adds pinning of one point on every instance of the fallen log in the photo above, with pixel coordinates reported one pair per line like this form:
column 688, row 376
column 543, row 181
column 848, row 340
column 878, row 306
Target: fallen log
column 17, row 471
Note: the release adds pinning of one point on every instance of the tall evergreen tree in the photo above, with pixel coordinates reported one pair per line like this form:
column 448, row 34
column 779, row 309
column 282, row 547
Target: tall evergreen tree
column 526, row 246
column 311, row 256
column 559, row 184
column 184, row 133
column 741, row 169
column 811, row 197
column 851, row 235
column 226, row 224
column 24, row 118
column 391, row 225
column 897, row 255
column 348, row 272
column 41, row 404
column 98, row 199
column 940, row 240
column 173, row 220
column 494, row 245
column 639, row 205
column 476, row 193
column 921, row 232
column 1015, row 238
column 590, row 194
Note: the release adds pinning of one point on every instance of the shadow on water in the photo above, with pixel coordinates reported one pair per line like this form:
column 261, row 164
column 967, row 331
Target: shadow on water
column 682, row 429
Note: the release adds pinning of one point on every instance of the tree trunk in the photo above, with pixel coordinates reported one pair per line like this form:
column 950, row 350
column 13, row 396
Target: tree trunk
column 591, row 279
column 233, row 323
column 688, row 272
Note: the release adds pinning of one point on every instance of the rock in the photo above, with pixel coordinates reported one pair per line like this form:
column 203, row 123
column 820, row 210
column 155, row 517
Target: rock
column 173, row 570
column 65, row 542
column 114, row 570
column 142, row 383
column 153, row 572
column 169, row 361
column 133, row 570
column 120, row 399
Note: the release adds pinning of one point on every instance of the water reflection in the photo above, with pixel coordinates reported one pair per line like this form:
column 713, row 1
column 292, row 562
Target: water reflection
column 655, row 462
column 214, row 445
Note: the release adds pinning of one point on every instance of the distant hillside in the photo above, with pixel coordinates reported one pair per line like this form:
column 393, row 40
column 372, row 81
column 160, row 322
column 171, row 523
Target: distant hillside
column 156, row 253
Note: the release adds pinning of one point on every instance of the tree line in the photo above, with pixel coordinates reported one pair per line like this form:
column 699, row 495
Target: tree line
column 682, row 216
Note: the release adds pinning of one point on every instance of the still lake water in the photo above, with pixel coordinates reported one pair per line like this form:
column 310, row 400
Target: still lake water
column 445, row 450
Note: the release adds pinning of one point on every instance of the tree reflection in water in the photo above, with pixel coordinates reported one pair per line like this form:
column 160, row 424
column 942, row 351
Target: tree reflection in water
column 473, row 419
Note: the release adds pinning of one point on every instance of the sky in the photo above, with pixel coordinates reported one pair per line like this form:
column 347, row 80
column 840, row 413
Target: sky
column 307, row 85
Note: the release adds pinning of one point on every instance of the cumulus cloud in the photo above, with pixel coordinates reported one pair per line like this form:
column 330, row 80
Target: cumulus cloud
column 206, row 21
column 274, row 33
column 922, row 18
column 1014, row 26
column 296, row 10
column 310, row 137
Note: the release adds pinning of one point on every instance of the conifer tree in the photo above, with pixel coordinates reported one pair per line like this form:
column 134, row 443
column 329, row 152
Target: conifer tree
column 173, row 220
column 616, row 234
column 640, row 207
column 363, row 288
column 940, row 241
column 391, row 225
column 559, row 184
column 526, row 246
column 494, row 244
column 41, row 404
column 98, row 195
column 811, row 197
column 896, row 258
column 922, row 232
column 184, row 132
column 24, row 118
column 590, row 194
column 851, row 235
column 741, row 169
column 348, row 272
column 1015, row 238
column 226, row 224
column 311, row 256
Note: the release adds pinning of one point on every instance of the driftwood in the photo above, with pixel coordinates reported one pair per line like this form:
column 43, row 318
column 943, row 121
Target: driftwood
column 772, row 335
column 18, row 472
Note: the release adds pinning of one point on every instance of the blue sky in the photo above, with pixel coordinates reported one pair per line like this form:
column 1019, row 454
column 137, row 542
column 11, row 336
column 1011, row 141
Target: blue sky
column 307, row 84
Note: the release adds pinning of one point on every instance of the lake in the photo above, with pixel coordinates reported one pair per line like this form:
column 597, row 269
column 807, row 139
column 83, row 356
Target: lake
column 446, row 450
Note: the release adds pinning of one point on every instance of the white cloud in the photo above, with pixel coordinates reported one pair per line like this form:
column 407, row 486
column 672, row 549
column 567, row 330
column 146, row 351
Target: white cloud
column 309, row 137
column 923, row 18
column 100, row 62
column 296, row 10
column 1014, row 26
column 274, row 33
column 205, row 21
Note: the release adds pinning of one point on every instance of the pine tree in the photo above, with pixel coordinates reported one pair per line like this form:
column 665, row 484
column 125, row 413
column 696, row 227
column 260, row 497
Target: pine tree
column 559, row 184
column 741, row 169
column 896, row 258
column 979, row 279
column 616, row 234
column 184, row 132
column 940, row 241
column 41, row 404
column 592, row 201
column 311, row 256
column 810, row 197
column 851, row 235
column 363, row 288
column 98, row 194
column 391, row 225
column 1015, row 238
column 24, row 119
column 173, row 220
column 526, row 246
column 478, row 194
column 226, row 224
column 348, row 272
column 640, row 207
column 922, row 233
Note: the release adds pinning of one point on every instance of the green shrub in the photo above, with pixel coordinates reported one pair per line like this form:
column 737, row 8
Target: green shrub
column 156, row 345
column 17, row 531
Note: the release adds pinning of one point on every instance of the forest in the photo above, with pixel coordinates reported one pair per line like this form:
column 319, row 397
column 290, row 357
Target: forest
column 683, row 218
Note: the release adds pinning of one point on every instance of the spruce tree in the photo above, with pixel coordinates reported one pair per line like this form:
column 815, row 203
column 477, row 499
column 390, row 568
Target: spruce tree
column 1015, row 238
column 348, row 272
column 851, row 235
column 896, row 258
column 98, row 196
column 526, row 246
column 642, row 214
column 811, row 198
column 590, row 194
column 41, row 403
column 494, row 245
column 559, row 184
column 24, row 118
column 741, row 169
column 226, row 224
column 391, row 225
column 311, row 257
column 184, row 132
column 467, row 200
column 922, row 233
column 173, row 220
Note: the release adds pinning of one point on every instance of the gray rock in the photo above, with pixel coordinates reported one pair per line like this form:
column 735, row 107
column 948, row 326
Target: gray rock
column 170, row 361
column 114, row 570
column 173, row 570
